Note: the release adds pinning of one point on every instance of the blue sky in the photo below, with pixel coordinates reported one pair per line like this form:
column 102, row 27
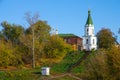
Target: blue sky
column 68, row 16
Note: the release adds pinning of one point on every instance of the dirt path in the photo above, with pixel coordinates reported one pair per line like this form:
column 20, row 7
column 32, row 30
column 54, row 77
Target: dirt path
column 60, row 76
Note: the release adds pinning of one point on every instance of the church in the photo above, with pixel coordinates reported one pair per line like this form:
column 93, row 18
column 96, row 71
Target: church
column 89, row 38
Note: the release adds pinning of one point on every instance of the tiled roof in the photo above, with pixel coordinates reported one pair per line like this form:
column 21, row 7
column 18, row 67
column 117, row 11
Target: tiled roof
column 67, row 35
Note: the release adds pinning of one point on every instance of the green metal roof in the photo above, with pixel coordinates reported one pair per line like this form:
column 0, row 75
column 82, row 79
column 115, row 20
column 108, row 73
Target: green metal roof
column 66, row 35
column 89, row 19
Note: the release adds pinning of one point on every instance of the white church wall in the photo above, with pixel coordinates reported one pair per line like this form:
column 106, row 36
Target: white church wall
column 89, row 38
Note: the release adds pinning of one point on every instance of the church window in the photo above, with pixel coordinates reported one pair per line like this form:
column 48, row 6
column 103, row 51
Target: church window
column 86, row 41
column 87, row 31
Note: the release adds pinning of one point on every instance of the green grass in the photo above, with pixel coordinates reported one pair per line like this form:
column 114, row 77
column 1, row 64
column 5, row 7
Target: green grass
column 70, row 58
column 79, row 68
column 29, row 74
column 56, row 69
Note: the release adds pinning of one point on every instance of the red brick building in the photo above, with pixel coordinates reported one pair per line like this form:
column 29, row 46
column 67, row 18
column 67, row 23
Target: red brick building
column 74, row 40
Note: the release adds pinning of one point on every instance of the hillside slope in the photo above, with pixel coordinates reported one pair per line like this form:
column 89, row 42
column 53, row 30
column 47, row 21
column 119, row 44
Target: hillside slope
column 68, row 60
column 77, row 63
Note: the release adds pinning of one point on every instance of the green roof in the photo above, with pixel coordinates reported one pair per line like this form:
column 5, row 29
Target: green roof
column 66, row 35
column 89, row 19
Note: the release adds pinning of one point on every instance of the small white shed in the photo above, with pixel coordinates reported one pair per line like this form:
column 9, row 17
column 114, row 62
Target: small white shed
column 45, row 70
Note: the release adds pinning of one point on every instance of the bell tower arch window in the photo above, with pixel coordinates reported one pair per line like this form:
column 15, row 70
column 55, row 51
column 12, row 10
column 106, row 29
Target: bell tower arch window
column 86, row 41
column 87, row 31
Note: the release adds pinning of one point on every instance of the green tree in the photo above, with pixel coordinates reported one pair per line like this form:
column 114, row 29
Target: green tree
column 1, row 35
column 12, row 32
column 32, row 20
column 55, row 50
column 41, row 30
column 8, row 55
column 10, row 44
column 103, row 65
column 113, row 61
column 37, row 40
column 105, row 38
column 96, row 67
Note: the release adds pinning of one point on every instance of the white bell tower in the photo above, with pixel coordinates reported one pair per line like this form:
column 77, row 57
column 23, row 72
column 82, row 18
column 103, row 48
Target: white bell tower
column 89, row 38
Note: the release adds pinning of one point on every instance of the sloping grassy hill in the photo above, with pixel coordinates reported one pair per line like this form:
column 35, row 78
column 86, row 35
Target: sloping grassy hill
column 69, row 60
column 56, row 69
column 24, row 74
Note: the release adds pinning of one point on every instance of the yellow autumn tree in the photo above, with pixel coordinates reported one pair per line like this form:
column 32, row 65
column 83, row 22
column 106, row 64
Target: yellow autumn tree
column 9, row 55
column 96, row 66
column 113, row 61
column 103, row 65
column 55, row 50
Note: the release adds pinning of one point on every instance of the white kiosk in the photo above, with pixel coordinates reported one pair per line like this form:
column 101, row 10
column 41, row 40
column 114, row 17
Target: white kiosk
column 45, row 70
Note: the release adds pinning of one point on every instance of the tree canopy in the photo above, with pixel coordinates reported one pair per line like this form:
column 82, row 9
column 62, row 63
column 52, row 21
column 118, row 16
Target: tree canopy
column 16, row 45
column 103, row 65
column 105, row 38
column 55, row 49
column 11, row 32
